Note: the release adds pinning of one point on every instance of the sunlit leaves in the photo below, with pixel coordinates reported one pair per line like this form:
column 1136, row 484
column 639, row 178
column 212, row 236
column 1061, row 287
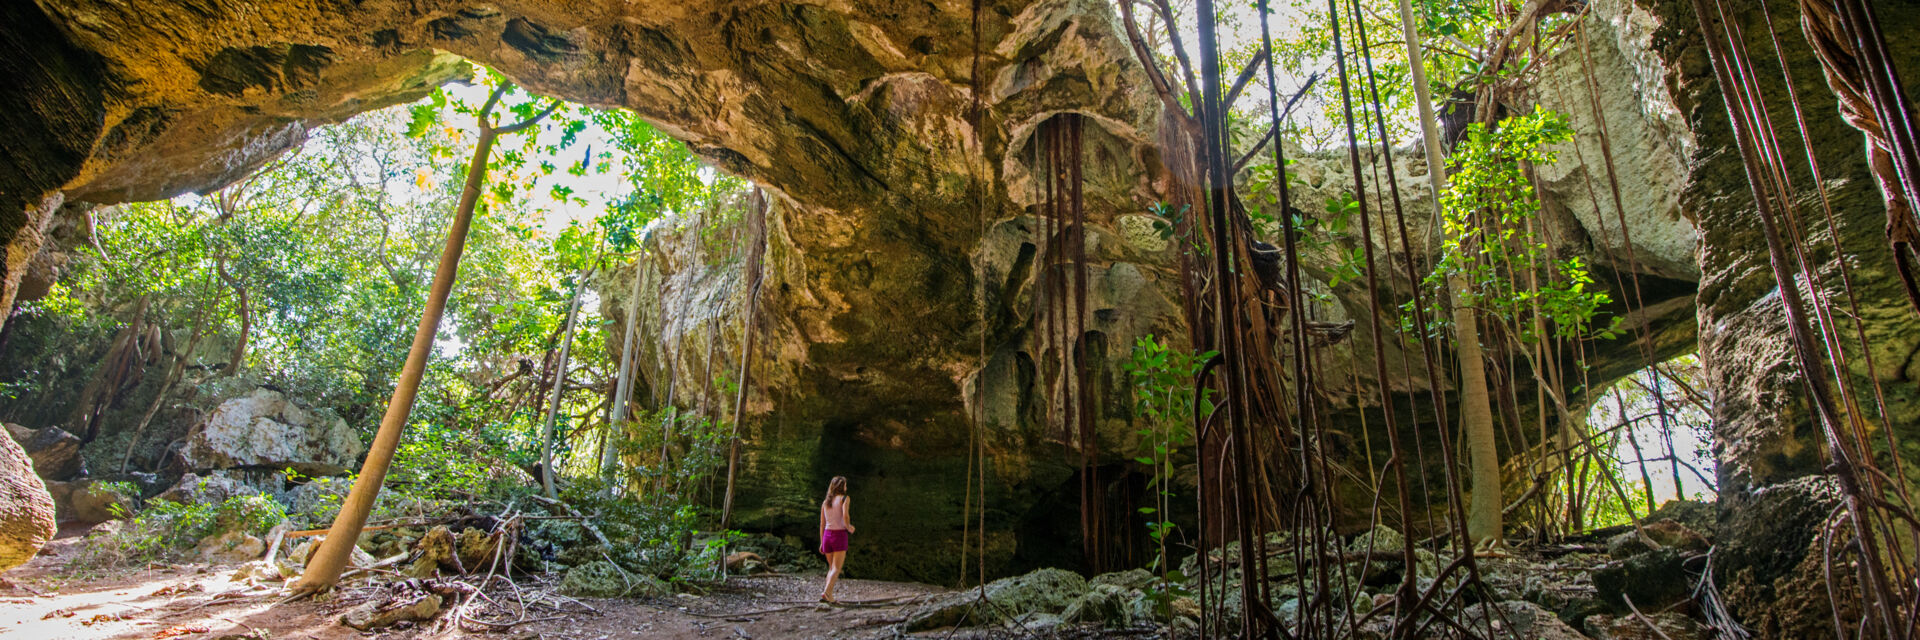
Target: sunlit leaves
column 1493, row 238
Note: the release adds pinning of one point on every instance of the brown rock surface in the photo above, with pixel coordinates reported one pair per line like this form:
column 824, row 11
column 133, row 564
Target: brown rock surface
column 26, row 510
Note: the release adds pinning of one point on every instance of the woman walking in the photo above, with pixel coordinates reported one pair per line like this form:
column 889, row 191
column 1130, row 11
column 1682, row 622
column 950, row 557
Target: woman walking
column 833, row 532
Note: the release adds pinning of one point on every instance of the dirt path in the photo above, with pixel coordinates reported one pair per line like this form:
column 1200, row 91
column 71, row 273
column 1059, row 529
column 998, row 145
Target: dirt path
column 197, row 602
column 757, row 607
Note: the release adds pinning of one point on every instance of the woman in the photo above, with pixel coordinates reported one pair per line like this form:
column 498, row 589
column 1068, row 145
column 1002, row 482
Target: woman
column 833, row 532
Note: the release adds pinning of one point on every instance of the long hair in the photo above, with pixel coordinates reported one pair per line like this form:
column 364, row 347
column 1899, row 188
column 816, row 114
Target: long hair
column 835, row 488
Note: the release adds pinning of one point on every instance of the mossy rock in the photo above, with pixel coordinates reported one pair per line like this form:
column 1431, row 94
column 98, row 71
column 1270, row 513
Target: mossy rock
column 1129, row 579
column 576, row 556
column 436, row 552
column 603, row 579
column 1103, row 604
column 477, row 550
column 1044, row 591
column 1655, row 580
column 564, row 534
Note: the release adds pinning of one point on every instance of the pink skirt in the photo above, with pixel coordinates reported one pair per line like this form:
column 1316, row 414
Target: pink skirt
column 833, row 540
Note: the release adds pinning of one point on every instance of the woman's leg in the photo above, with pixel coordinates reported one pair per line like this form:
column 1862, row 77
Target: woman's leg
column 833, row 572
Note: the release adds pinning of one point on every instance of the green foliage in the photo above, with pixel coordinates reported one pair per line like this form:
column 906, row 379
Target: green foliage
column 1493, row 242
column 333, row 246
column 1164, row 399
column 660, row 539
column 321, row 263
column 168, row 531
column 670, row 454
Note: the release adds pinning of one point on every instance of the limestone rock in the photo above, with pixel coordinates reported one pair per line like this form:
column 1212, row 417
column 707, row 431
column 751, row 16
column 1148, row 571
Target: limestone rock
column 1702, row 517
column 267, row 429
column 317, row 497
column 1044, row 591
column 1518, row 619
column 212, row 489
column 603, row 579
column 1104, row 604
column 231, row 547
column 437, row 554
column 1669, row 625
column 477, row 549
column 378, row 615
column 1382, row 541
column 55, row 453
column 746, row 562
column 26, row 510
column 1129, row 579
column 91, row 501
column 299, row 554
column 1653, row 580
column 1661, row 534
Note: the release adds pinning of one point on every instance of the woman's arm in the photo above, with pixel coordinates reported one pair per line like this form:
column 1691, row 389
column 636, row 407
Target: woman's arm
column 846, row 512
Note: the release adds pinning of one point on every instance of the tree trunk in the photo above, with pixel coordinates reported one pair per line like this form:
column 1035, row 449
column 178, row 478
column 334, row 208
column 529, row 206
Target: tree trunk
column 1476, row 411
column 174, row 373
column 559, row 385
column 324, row 567
column 246, row 317
column 623, row 389
column 755, row 255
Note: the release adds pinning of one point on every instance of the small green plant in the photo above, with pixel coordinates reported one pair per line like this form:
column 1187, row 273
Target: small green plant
column 1166, row 401
column 1167, row 221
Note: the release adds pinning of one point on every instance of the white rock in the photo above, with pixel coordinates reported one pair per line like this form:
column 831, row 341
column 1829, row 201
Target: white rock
column 266, row 429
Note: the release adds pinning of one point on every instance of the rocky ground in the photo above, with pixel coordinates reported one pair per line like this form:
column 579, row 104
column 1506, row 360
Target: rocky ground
column 1633, row 584
column 43, row 600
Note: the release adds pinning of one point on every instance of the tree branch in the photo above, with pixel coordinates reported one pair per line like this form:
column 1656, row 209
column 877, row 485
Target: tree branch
column 1246, row 75
column 1262, row 144
column 517, row 127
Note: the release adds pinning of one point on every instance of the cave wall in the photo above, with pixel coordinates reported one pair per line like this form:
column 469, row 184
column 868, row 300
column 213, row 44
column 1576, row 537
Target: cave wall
column 853, row 116
column 848, row 381
column 1774, row 492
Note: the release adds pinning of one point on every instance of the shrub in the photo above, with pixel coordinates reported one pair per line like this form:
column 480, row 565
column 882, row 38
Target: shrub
column 165, row 531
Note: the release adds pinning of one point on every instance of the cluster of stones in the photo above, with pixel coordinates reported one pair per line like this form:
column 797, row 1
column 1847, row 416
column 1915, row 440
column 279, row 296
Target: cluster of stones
column 1566, row 592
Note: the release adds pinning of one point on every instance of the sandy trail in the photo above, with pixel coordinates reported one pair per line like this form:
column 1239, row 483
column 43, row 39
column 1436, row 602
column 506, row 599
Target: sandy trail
column 199, row 602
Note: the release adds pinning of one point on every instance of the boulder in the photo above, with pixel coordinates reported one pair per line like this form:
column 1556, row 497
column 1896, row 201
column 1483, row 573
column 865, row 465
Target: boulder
column 1518, row 619
column 1655, row 535
column 26, row 509
column 1040, row 623
column 321, row 497
column 267, row 429
column 477, row 550
column 746, row 563
column 1702, row 517
column 93, row 501
column 232, row 547
column 604, row 579
column 212, row 489
column 376, row 614
column 1103, row 604
column 1665, row 626
column 55, row 453
column 1044, row 591
column 437, row 553
column 1382, row 541
column 297, row 556
column 1653, row 581
column 1129, row 579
